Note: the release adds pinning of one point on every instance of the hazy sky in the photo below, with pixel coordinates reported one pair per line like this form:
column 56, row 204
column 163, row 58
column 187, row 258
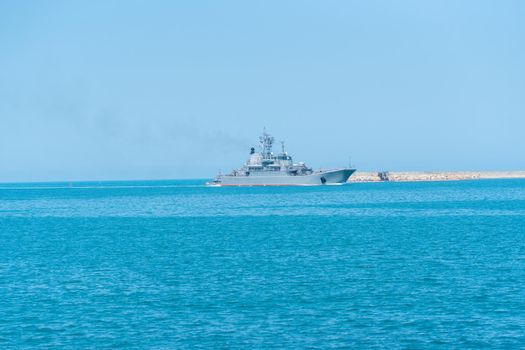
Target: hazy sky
column 177, row 89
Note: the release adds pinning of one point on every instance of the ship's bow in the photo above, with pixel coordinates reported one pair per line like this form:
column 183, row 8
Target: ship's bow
column 339, row 176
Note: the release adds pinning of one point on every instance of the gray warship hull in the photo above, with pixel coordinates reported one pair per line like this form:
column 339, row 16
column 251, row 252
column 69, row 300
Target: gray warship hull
column 328, row 177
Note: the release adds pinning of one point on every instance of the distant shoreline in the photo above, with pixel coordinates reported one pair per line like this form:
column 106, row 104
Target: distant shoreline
column 357, row 177
column 415, row 176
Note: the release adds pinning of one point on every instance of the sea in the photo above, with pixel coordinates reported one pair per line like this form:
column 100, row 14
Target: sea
column 177, row 265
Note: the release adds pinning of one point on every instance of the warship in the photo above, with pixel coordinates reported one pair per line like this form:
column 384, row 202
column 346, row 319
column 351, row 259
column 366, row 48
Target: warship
column 265, row 168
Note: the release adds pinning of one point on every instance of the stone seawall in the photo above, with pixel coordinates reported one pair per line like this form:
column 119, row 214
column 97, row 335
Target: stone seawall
column 364, row 176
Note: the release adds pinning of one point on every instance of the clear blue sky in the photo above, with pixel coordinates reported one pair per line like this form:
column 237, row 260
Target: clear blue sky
column 177, row 89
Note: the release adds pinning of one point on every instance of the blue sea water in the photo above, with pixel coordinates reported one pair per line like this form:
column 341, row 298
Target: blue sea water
column 173, row 264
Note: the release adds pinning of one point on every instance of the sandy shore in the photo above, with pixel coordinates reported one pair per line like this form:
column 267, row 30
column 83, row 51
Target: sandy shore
column 364, row 176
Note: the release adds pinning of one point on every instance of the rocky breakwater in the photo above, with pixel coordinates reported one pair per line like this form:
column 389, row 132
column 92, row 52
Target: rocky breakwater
column 398, row 176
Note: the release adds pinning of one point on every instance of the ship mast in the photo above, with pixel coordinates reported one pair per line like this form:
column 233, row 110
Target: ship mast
column 266, row 142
